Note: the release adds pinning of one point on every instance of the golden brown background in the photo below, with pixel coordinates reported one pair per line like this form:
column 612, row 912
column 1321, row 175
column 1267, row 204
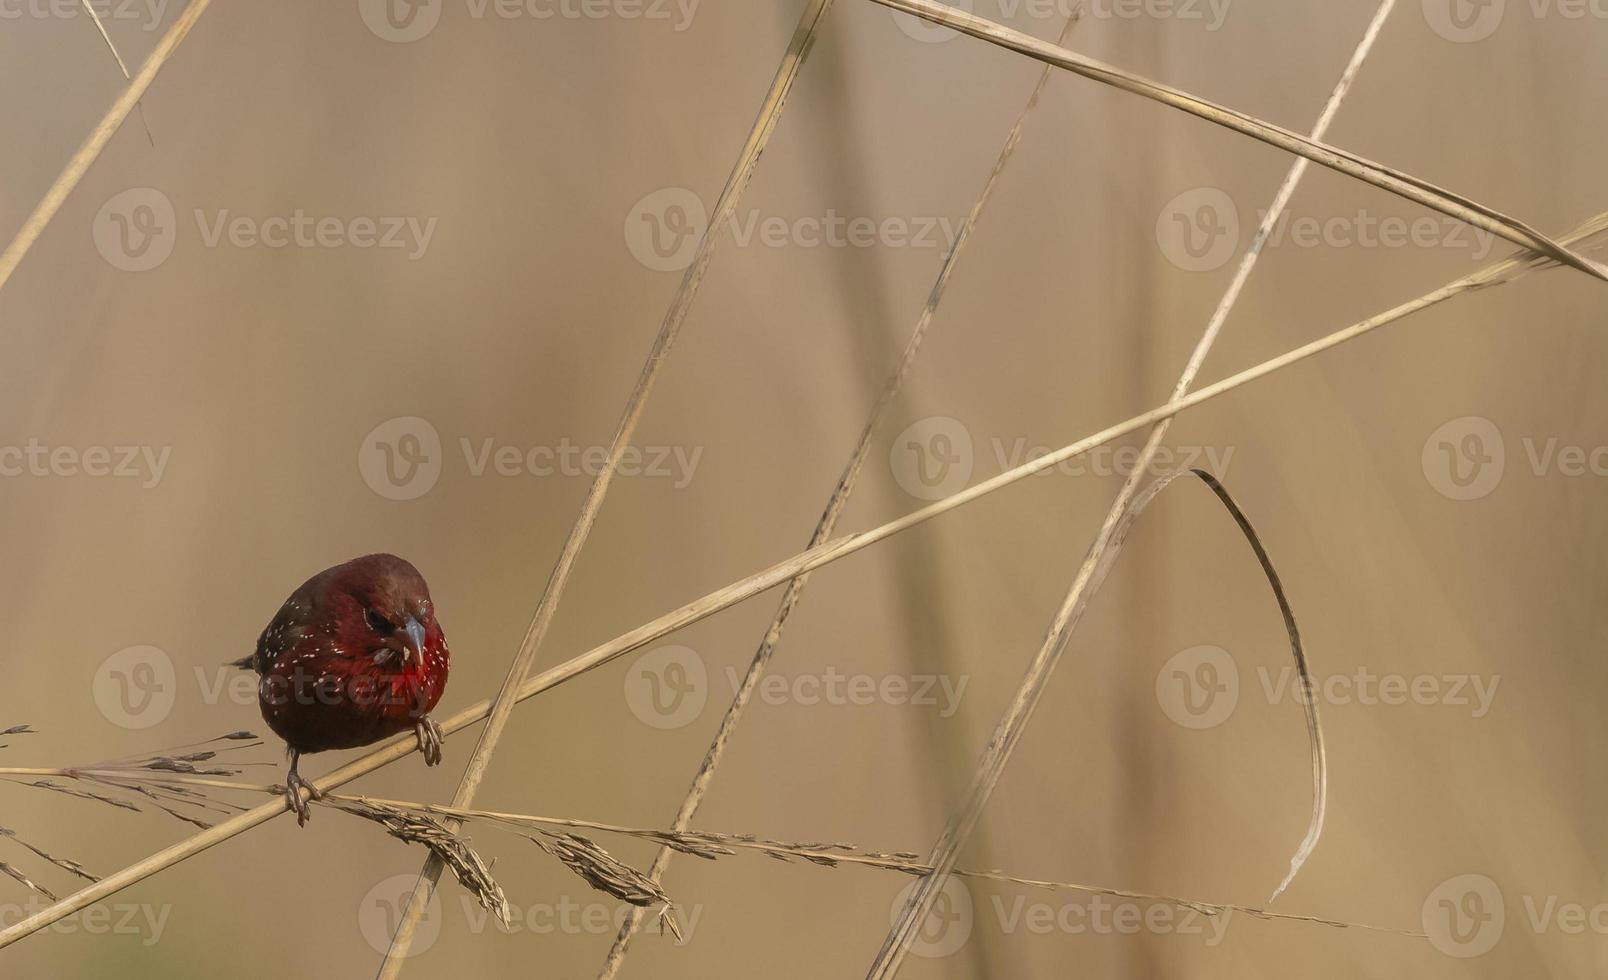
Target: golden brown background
column 529, row 141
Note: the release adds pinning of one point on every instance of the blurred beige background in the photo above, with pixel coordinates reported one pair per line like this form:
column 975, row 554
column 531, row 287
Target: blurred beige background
column 527, row 144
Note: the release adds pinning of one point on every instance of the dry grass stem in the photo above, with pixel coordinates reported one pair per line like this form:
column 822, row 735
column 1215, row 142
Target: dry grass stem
column 98, row 138
column 827, row 525
column 165, row 779
column 1397, row 182
column 946, row 852
column 1495, row 274
column 89, row 8
column 502, row 706
column 713, row 846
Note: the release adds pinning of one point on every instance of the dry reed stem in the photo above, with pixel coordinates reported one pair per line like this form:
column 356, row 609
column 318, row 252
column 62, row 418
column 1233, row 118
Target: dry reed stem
column 946, row 851
column 1497, row 273
column 713, row 846
column 736, row 183
column 1335, row 158
column 829, row 519
column 98, row 138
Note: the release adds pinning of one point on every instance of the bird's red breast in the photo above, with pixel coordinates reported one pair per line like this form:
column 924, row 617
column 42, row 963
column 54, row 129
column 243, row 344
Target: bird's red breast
column 354, row 656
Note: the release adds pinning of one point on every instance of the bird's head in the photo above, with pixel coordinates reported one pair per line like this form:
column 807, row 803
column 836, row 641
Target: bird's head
column 385, row 606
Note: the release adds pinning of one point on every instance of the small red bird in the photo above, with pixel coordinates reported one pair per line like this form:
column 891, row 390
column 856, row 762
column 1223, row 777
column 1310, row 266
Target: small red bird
column 354, row 656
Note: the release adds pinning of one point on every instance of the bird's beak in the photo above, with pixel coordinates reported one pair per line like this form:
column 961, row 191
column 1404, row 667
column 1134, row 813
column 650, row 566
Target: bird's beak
column 413, row 646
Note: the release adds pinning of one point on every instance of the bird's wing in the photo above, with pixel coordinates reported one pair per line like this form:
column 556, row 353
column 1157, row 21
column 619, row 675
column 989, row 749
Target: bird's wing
column 286, row 630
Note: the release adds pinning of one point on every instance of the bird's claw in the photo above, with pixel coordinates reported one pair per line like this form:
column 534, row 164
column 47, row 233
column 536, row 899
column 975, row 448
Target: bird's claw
column 298, row 804
column 430, row 740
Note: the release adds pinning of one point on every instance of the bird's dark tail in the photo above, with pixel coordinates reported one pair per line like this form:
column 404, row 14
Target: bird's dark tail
column 244, row 663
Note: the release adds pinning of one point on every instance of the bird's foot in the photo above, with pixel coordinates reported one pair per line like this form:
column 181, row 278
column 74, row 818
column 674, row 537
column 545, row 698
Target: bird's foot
column 430, row 740
column 298, row 804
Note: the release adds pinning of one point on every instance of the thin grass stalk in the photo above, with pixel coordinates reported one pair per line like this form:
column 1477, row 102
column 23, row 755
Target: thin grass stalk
column 1498, row 273
column 97, row 140
column 502, row 707
column 713, row 846
column 1008, row 733
column 122, row 66
column 1397, row 182
column 827, row 524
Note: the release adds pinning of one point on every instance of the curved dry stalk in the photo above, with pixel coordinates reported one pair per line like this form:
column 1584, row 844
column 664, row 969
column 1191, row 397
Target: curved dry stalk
column 1498, row 273
column 98, row 138
column 996, row 756
column 713, row 846
column 503, row 706
column 824, row 529
column 1009, row 733
column 1344, row 161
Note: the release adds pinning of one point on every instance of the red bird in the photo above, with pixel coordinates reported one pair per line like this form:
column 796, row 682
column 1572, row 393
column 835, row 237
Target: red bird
column 354, row 656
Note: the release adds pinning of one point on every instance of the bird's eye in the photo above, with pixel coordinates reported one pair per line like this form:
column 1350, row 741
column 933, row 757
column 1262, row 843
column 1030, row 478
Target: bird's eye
column 378, row 623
